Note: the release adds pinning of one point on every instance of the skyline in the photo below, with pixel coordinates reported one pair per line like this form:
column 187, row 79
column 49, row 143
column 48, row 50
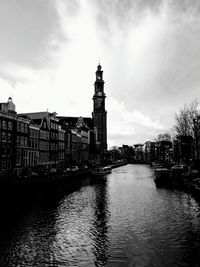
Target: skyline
column 148, row 52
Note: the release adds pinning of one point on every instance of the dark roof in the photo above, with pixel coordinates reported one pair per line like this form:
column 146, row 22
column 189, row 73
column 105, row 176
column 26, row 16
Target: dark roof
column 37, row 121
column 33, row 121
column 73, row 120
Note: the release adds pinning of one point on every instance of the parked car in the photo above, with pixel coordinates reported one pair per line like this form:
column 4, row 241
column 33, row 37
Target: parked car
column 74, row 168
column 66, row 171
column 84, row 167
column 180, row 167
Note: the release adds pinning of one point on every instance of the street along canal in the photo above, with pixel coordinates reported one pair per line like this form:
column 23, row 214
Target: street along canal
column 121, row 221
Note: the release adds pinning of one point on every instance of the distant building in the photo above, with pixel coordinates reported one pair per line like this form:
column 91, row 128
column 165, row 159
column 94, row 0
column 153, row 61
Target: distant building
column 163, row 151
column 149, row 152
column 128, row 153
column 183, row 149
column 139, row 154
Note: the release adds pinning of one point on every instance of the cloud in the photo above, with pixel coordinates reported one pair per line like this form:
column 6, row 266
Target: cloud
column 128, row 126
column 154, row 54
column 149, row 51
column 29, row 31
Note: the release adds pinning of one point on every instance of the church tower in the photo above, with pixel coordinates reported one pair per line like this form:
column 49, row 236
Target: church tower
column 99, row 113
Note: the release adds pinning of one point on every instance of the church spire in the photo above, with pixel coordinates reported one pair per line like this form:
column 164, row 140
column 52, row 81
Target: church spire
column 99, row 113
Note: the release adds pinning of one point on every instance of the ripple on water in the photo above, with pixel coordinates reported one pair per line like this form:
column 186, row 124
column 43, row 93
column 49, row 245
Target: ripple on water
column 124, row 221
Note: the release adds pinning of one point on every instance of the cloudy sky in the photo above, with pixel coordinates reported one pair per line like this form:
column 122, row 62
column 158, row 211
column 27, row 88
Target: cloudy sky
column 149, row 51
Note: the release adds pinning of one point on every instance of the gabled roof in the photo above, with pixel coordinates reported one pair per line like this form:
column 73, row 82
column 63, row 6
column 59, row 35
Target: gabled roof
column 72, row 121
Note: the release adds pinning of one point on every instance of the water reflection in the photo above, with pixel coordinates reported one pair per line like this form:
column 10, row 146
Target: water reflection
column 100, row 222
column 121, row 221
column 82, row 234
column 27, row 234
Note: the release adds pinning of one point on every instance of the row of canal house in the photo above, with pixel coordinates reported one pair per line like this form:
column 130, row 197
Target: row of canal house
column 180, row 150
column 43, row 139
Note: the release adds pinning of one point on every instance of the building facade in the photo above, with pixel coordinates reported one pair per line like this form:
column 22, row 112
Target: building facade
column 8, row 120
column 33, row 143
column 43, row 139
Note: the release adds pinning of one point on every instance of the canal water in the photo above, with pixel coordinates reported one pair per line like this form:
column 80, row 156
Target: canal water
column 121, row 221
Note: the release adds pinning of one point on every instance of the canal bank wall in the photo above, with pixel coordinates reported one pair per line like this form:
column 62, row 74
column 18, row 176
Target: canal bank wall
column 12, row 187
column 189, row 181
column 117, row 165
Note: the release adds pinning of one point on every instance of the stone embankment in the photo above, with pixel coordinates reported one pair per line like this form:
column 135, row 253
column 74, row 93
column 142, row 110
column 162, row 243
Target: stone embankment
column 178, row 178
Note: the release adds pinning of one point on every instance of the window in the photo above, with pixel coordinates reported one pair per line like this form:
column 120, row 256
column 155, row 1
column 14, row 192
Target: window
column 61, row 146
column 44, row 157
column 10, row 125
column 3, row 151
column 68, row 140
column 18, row 126
column 25, row 141
column 44, row 135
column 18, row 140
column 4, row 125
column 36, row 144
column 61, row 136
column 4, row 136
column 22, row 141
column 61, row 155
column 26, row 128
column 22, row 128
column 9, row 137
column 18, row 156
column 25, row 158
column 3, row 164
column 44, row 145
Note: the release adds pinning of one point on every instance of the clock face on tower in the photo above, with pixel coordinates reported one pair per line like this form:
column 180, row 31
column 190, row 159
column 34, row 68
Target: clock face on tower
column 99, row 77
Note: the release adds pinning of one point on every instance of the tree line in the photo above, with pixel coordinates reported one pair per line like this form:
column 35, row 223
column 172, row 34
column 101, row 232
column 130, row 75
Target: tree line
column 186, row 122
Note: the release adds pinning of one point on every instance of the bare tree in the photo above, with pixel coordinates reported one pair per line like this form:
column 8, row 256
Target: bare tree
column 184, row 119
column 163, row 137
